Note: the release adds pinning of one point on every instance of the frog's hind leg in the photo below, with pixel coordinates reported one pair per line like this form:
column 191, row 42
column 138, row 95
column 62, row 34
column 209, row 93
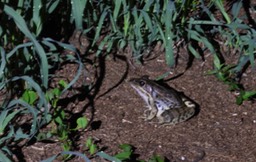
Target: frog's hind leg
column 191, row 108
column 162, row 114
column 188, row 103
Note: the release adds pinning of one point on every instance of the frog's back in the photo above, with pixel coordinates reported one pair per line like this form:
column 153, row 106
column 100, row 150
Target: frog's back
column 167, row 97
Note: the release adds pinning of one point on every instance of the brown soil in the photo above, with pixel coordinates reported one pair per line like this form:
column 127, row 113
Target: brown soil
column 222, row 131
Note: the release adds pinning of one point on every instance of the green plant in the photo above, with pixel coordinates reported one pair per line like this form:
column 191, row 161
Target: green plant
column 236, row 35
column 156, row 158
column 91, row 146
column 63, row 128
column 63, row 131
column 60, row 127
column 28, row 60
column 138, row 25
column 25, row 65
column 225, row 73
column 245, row 95
column 126, row 153
column 13, row 111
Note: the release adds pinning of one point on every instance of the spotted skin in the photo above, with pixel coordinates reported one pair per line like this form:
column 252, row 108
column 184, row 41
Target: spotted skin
column 166, row 105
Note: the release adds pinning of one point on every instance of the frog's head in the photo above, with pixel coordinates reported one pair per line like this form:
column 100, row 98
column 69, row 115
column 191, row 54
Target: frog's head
column 143, row 85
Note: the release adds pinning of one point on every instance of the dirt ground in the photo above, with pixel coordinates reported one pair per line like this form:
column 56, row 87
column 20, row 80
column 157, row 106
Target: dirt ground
column 222, row 131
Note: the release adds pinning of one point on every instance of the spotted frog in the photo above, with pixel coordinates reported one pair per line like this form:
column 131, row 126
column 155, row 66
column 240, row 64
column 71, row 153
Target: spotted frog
column 168, row 106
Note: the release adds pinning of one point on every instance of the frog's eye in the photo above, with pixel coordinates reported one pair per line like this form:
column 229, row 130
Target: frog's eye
column 142, row 83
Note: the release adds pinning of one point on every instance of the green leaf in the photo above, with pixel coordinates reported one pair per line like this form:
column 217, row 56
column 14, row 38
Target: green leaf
column 220, row 5
column 156, row 158
column 248, row 94
column 61, row 116
column 239, row 100
column 169, row 56
column 3, row 62
column 3, row 157
column 76, row 59
column 127, row 151
column 99, row 25
column 37, row 18
column 217, row 63
column 193, row 51
column 148, row 20
column 63, row 84
column 56, row 92
column 6, row 117
column 126, row 147
column 78, row 7
column 52, row 5
column 43, row 136
column 21, row 24
column 236, row 8
column 161, row 77
column 106, row 156
column 29, row 96
column 88, row 142
column 82, row 156
column 49, row 96
column 82, row 123
column 116, row 10
column 92, row 149
column 66, row 146
column 26, row 108
column 123, row 155
column 233, row 86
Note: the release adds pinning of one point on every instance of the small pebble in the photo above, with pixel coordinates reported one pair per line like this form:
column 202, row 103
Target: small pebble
column 234, row 114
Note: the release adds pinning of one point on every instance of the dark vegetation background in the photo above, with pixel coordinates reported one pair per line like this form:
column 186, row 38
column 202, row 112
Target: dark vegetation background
column 65, row 66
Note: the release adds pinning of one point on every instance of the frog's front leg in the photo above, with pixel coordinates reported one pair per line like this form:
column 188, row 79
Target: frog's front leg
column 152, row 114
column 152, row 109
column 148, row 115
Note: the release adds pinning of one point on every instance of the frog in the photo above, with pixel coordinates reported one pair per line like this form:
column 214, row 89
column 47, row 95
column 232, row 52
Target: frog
column 165, row 104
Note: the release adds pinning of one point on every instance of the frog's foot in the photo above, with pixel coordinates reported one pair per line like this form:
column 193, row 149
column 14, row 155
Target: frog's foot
column 148, row 115
column 188, row 103
column 167, row 117
column 161, row 120
column 151, row 115
column 145, row 114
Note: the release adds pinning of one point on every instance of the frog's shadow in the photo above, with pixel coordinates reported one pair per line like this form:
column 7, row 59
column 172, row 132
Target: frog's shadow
column 197, row 106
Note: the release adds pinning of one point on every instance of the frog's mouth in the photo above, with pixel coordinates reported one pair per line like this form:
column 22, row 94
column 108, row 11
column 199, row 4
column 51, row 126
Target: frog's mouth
column 141, row 92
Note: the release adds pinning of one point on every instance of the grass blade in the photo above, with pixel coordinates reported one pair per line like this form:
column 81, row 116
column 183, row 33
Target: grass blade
column 168, row 33
column 106, row 156
column 99, row 26
column 77, row 60
column 3, row 63
column 116, row 10
column 3, row 157
column 37, row 5
column 220, row 5
column 5, row 118
column 21, row 24
column 78, row 7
